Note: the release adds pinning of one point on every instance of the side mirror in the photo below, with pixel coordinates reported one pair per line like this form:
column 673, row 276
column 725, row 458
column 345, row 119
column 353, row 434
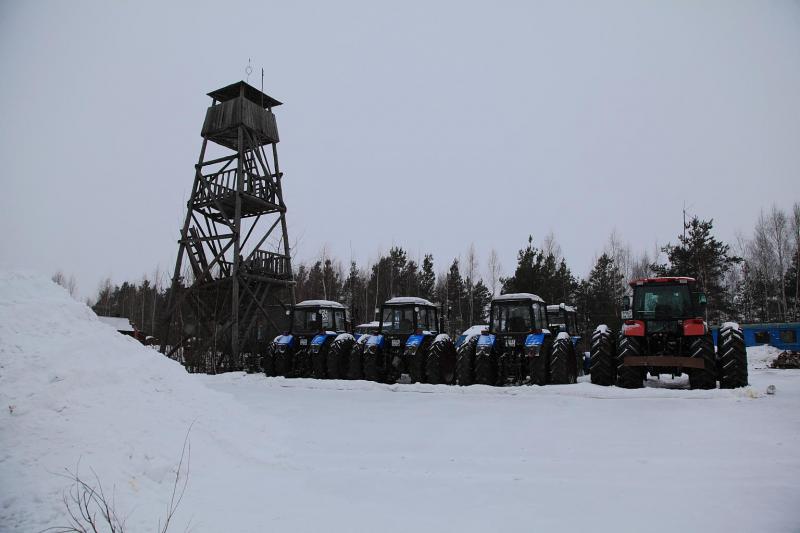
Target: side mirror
column 702, row 300
column 288, row 312
column 625, row 303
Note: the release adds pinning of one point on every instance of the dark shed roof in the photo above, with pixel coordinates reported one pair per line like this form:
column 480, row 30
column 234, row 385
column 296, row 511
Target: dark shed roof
column 251, row 93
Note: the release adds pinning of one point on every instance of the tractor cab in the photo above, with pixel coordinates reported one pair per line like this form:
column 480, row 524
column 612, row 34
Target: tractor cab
column 407, row 331
column 314, row 325
column 669, row 306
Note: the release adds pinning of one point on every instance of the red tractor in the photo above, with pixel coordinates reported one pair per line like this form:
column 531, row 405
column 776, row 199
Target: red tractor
column 664, row 332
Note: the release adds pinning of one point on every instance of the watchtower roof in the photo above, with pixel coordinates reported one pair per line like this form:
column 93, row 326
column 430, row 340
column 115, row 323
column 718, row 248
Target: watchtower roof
column 251, row 93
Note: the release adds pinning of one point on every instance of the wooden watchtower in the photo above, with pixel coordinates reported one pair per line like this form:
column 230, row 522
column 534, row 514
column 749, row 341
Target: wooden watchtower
column 238, row 279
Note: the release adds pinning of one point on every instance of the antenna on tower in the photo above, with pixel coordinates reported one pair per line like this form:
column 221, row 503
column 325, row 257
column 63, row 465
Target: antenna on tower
column 249, row 70
column 262, row 87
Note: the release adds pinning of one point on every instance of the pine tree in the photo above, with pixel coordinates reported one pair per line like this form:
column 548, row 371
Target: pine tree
column 601, row 293
column 427, row 279
column 701, row 256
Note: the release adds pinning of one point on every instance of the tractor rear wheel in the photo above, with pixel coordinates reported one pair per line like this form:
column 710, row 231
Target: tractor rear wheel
column 485, row 372
column 602, row 366
column 465, row 359
column 268, row 361
column 628, row 377
column 561, row 357
column 355, row 363
column 703, row 378
column 338, row 357
column 441, row 364
column 731, row 358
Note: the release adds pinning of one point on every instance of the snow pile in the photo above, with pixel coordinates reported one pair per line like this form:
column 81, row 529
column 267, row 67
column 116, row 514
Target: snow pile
column 74, row 390
column 761, row 356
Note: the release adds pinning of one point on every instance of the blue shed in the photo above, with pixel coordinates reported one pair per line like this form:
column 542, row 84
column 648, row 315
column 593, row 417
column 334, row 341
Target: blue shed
column 782, row 335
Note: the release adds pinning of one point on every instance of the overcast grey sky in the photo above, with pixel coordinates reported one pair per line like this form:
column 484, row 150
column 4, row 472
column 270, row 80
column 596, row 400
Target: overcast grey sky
column 428, row 125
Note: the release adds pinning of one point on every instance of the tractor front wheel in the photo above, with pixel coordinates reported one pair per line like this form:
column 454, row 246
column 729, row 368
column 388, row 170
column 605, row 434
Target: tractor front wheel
column 338, row 357
column 268, row 361
column 561, row 356
column 731, row 358
column 441, row 364
column 355, row 363
column 484, row 369
column 465, row 359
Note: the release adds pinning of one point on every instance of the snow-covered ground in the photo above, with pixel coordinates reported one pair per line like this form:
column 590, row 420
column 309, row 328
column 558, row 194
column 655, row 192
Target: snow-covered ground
column 306, row 455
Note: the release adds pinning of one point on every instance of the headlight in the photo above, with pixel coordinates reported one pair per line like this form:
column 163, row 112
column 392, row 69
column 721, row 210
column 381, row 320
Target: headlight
column 412, row 349
column 281, row 348
column 533, row 351
column 314, row 348
column 372, row 348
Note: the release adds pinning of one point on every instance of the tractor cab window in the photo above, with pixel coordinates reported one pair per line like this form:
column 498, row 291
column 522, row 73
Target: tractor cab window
column 312, row 320
column 539, row 315
column 426, row 318
column 515, row 317
column 557, row 320
column 398, row 319
column 572, row 326
column 338, row 319
column 662, row 302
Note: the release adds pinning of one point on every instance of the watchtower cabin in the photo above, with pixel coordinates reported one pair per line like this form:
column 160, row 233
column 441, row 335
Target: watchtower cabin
column 236, row 281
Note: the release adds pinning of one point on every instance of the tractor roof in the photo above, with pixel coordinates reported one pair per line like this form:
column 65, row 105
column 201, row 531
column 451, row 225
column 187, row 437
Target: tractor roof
column 406, row 300
column 649, row 281
column 320, row 303
column 517, row 296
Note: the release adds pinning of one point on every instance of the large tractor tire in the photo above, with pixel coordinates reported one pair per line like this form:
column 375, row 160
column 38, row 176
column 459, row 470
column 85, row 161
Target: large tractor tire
column 602, row 366
column 319, row 362
column 562, row 357
column 731, row 358
column 703, row 378
column 302, row 364
column 485, row 369
column 370, row 364
column 355, row 362
column 416, row 364
column 268, row 361
column 441, row 364
column 338, row 357
column 465, row 361
column 284, row 363
column 628, row 377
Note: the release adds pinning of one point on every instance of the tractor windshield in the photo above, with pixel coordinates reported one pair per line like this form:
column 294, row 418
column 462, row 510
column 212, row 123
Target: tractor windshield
column 662, row 302
column 398, row 319
column 512, row 317
column 312, row 320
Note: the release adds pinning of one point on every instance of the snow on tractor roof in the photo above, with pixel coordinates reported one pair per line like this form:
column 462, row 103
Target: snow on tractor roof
column 405, row 300
column 320, row 303
column 518, row 296
column 670, row 279
column 475, row 330
column 554, row 308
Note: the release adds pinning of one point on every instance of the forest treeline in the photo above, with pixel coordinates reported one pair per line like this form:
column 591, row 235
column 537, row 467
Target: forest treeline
column 753, row 279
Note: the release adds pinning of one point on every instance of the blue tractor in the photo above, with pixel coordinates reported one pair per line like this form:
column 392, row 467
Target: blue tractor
column 517, row 347
column 316, row 345
column 407, row 341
